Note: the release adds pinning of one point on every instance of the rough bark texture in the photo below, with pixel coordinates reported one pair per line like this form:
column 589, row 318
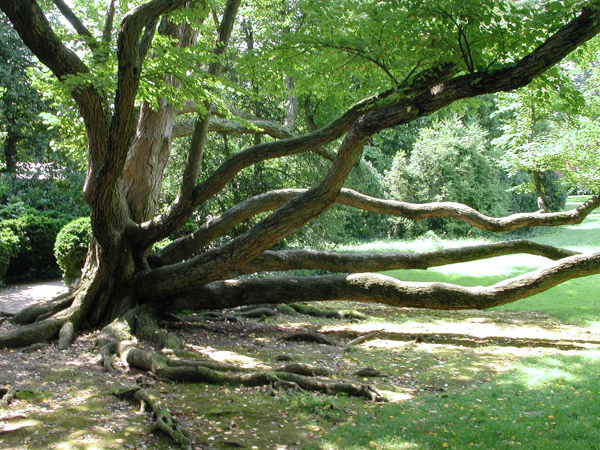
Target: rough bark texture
column 378, row 288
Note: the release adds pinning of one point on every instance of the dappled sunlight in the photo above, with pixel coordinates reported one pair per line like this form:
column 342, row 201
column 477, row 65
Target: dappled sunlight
column 226, row 356
column 415, row 246
column 396, row 396
column 552, row 369
column 533, row 376
column 6, row 427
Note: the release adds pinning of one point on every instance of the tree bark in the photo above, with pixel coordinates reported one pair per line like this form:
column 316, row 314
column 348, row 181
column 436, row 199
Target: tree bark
column 378, row 288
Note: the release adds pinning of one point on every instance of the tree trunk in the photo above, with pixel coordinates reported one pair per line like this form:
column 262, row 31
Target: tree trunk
column 539, row 191
column 146, row 161
column 10, row 153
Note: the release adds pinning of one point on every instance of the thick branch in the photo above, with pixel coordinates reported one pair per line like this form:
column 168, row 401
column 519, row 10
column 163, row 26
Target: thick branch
column 196, row 149
column 108, row 21
column 185, row 247
column 554, row 49
column 37, row 34
column 81, row 29
column 412, row 102
column 222, row 125
column 377, row 288
column 466, row 213
column 129, row 72
column 377, row 262
column 284, row 221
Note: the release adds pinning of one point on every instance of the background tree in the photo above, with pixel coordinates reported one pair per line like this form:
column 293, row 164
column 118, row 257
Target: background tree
column 449, row 162
column 172, row 57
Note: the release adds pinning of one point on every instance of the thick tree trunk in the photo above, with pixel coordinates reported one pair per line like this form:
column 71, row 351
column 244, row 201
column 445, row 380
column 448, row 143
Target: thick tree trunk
column 146, row 161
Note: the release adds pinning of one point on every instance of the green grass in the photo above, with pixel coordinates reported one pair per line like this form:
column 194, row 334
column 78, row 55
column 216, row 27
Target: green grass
column 576, row 301
column 542, row 403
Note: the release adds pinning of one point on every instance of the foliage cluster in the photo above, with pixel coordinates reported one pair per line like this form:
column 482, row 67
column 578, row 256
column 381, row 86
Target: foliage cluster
column 71, row 246
column 33, row 256
column 449, row 161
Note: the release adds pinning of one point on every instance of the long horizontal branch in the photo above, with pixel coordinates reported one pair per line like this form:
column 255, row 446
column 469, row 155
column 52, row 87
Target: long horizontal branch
column 185, row 247
column 466, row 213
column 378, row 262
column 377, row 288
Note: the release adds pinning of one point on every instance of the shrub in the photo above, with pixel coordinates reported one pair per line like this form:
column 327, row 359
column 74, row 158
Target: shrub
column 449, row 161
column 34, row 257
column 71, row 246
column 9, row 244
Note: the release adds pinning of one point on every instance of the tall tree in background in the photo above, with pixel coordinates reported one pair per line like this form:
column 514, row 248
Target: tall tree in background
column 167, row 52
column 20, row 104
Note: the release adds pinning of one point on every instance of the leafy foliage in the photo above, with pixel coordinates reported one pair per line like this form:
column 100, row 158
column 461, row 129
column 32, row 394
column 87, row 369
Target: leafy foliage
column 34, row 258
column 23, row 136
column 71, row 246
column 8, row 248
column 449, row 161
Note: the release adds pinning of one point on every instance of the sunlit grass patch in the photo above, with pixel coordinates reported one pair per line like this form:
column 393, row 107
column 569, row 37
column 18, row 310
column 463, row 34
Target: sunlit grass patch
column 542, row 403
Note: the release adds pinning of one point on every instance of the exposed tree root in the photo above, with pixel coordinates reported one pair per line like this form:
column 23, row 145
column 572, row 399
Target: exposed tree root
column 306, row 369
column 314, row 311
column 66, row 336
column 118, row 338
column 258, row 312
column 306, row 336
column 7, row 393
column 164, row 419
column 31, row 334
column 38, row 311
column 369, row 372
column 365, row 337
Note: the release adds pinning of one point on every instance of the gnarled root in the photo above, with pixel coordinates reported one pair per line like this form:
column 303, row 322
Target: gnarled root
column 7, row 393
column 39, row 311
column 31, row 334
column 164, row 419
column 117, row 338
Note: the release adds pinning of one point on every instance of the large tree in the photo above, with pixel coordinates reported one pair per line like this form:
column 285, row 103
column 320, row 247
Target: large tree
column 456, row 50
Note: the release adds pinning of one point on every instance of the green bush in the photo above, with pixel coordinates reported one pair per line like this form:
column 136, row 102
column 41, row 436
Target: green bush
column 9, row 244
column 449, row 162
column 70, row 248
column 34, row 257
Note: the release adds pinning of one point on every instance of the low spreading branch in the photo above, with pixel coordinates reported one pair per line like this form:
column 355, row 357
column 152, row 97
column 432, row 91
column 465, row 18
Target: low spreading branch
column 184, row 248
column 377, row 262
column 378, row 288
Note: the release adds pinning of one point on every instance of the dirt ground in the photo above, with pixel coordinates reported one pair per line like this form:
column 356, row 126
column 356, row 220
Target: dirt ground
column 64, row 398
column 17, row 296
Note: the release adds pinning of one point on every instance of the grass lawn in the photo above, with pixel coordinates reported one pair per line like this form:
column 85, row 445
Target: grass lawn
column 538, row 398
